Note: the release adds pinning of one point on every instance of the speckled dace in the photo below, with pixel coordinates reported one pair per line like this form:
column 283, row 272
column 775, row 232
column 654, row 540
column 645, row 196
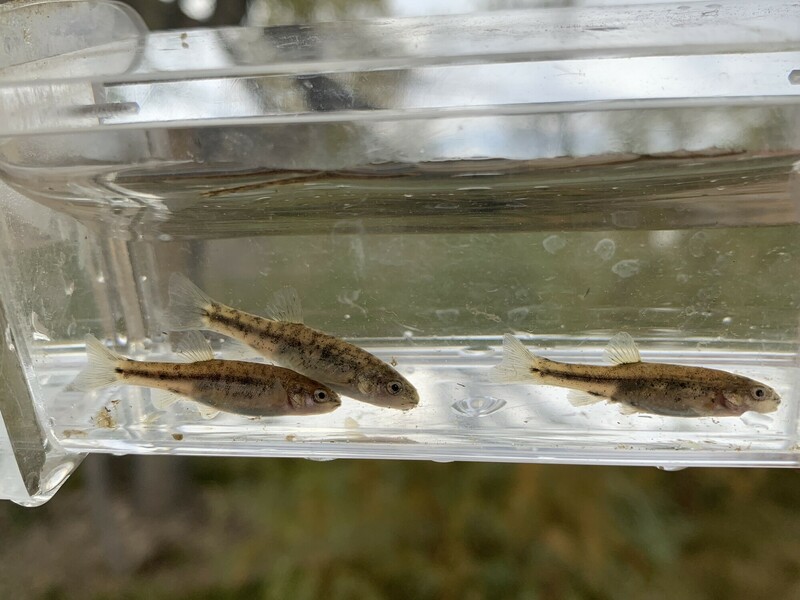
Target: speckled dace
column 655, row 388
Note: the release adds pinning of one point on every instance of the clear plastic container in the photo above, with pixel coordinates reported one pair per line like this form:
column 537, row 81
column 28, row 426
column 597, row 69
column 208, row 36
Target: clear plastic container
column 426, row 185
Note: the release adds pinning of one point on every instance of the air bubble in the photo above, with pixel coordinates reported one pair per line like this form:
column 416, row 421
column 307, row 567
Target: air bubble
column 480, row 406
column 477, row 351
column 727, row 321
column 554, row 244
column 757, row 420
column 69, row 287
column 407, row 335
column 670, row 468
column 627, row 268
column 605, row 249
column 72, row 327
column 164, row 237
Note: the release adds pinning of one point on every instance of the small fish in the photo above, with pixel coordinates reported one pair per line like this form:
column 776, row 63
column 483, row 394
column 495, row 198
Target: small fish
column 244, row 388
column 284, row 338
column 657, row 388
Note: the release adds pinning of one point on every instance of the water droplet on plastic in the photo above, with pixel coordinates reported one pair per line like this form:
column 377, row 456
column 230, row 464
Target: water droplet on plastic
column 480, row 406
column 40, row 332
column 164, row 237
column 407, row 335
column 69, row 287
column 448, row 315
column 72, row 327
column 554, row 243
column 757, row 420
column 10, row 340
column 627, row 268
column 143, row 278
column 101, row 278
column 57, row 476
column 670, row 468
column 605, row 249
column 727, row 321
column 626, row 219
column 321, row 458
column 697, row 244
column 122, row 339
column 516, row 315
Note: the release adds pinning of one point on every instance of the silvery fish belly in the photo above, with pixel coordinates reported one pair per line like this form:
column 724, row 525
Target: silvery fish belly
column 656, row 388
column 284, row 338
column 239, row 387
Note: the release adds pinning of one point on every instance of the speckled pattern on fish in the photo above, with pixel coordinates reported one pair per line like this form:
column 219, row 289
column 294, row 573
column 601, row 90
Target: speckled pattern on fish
column 245, row 388
column 284, row 338
column 657, row 388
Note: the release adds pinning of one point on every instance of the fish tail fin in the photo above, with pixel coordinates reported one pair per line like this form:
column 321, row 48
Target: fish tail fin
column 100, row 371
column 188, row 304
column 518, row 363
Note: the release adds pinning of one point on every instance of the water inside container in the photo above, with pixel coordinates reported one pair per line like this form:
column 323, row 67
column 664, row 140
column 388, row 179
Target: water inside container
column 427, row 266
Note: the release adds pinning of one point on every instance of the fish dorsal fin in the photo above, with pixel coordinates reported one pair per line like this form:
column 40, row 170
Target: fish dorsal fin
column 285, row 306
column 194, row 347
column 622, row 350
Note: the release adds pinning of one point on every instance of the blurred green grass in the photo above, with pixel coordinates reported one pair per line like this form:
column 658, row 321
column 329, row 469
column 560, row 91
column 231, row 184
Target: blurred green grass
column 248, row 528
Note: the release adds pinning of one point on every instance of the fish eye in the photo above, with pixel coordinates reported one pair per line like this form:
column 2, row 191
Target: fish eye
column 320, row 396
column 394, row 387
column 759, row 393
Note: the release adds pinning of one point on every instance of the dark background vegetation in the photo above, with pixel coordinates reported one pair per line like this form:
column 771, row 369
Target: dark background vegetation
column 250, row 528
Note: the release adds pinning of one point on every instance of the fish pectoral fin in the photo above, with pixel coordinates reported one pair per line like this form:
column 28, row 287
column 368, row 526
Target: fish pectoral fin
column 622, row 350
column 237, row 350
column 581, row 398
column 285, row 306
column 207, row 412
column 163, row 399
column 627, row 409
column 363, row 384
column 194, row 347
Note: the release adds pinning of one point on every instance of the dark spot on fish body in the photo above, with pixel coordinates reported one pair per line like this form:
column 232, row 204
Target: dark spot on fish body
column 119, row 370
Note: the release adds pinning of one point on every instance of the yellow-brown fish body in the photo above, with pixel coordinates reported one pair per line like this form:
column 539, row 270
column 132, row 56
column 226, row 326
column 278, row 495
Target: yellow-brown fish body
column 233, row 386
column 347, row 368
column 656, row 388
